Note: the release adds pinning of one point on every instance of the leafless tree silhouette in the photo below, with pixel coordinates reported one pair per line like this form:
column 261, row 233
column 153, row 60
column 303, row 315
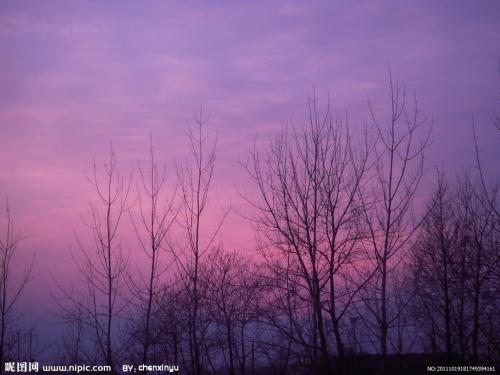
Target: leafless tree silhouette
column 390, row 226
column 433, row 259
column 479, row 241
column 98, row 300
column 233, row 298
column 351, row 265
column 309, row 213
column 456, row 273
column 157, row 214
column 195, row 178
column 11, row 287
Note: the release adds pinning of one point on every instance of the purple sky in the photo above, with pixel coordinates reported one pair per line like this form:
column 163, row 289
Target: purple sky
column 76, row 75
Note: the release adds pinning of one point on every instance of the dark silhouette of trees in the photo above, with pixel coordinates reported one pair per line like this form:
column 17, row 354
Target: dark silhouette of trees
column 195, row 179
column 157, row 214
column 11, row 287
column 98, row 300
column 455, row 270
column 232, row 298
column 309, row 214
column 434, row 258
column 479, row 238
column 353, row 271
column 399, row 163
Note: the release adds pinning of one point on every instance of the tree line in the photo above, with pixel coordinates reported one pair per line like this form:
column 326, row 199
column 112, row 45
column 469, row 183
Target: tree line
column 350, row 259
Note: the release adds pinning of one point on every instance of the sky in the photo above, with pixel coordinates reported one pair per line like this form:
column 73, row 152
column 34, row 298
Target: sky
column 77, row 76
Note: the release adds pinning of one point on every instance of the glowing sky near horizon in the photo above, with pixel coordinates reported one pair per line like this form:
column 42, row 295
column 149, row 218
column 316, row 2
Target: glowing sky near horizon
column 77, row 75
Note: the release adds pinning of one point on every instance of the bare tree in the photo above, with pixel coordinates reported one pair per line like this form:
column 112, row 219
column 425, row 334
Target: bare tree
column 157, row 214
column 11, row 288
column 478, row 220
column 455, row 270
column 99, row 302
column 345, row 170
column 195, row 177
column 478, row 243
column 283, row 332
column 432, row 264
column 309, row 213
column 388, row 215
column 478, row 204
column 233, row 299
column 172, row 323
column 289, row 185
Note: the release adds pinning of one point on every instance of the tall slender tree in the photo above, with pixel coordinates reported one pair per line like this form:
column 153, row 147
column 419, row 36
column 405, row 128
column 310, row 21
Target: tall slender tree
column 157, row 214
column 99, row 299
column 390, row 225
column 11, row 287
column 195, row 178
